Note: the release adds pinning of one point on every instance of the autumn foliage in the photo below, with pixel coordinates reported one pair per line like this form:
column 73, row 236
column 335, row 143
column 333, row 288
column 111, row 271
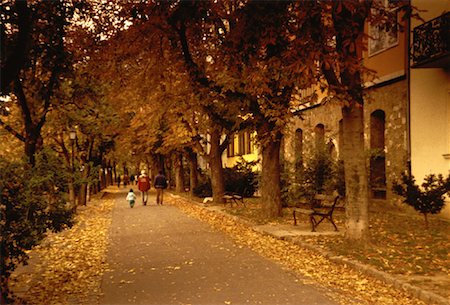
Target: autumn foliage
column 32, row 202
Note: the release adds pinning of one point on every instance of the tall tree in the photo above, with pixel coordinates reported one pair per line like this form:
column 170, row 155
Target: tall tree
column 341, row 39
column 34, row 73
column 250, row 56
column 248, row 65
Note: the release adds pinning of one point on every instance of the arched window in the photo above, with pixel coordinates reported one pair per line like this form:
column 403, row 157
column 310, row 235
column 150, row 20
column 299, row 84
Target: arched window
column 377, row 129
column 298, row 142
column 298, row 147
column 319, row 131
column 377, row 154
column 332, row 150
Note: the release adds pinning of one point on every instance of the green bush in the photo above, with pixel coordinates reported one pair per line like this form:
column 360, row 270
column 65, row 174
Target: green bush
column 319, row 174
column 239, row 179
column 203, row 189
column 427, row 199
column 32, row 202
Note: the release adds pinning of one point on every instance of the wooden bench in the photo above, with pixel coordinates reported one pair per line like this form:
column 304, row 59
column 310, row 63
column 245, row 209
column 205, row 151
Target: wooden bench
column 231, row 198
column 322, row 207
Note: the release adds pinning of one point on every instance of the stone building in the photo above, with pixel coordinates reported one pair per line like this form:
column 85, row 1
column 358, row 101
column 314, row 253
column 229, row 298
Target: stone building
column 406, row 107
column 385, row 133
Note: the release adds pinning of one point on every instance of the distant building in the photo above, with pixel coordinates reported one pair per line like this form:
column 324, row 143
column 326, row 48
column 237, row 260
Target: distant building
column 242, row 146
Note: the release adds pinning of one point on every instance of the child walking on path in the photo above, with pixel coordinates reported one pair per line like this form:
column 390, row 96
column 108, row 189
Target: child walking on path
column 131, row 197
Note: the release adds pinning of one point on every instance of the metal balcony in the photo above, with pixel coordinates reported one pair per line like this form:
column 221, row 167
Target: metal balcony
column 431, row 43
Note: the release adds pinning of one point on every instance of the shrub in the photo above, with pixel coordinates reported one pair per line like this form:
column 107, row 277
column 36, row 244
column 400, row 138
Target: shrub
column 203, row 189
column 241, row 178
column 32, row 202
column 427, row 199
column 320, row 174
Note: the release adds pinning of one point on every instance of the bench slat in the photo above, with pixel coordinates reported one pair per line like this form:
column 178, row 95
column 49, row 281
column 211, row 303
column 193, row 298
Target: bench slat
column 303, row 211
column 327, row 205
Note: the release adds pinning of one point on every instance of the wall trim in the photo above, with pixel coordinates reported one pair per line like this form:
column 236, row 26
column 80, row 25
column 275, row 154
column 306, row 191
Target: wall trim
column 386, row 79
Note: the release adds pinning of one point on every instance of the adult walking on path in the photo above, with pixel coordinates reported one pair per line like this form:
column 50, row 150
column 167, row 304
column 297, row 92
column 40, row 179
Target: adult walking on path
column 162, row 256
column 144, row 186
column 160, row 185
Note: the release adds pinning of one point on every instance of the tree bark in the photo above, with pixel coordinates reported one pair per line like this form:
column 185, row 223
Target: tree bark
column 72, row 193
column 110, row 173
column 179, row 173
column 103, row 174
column 357, row 193
column 215, row 162
column 348, row 81
column 270, row 177
column 33, row 139
column 82, row 195
column 193, row 171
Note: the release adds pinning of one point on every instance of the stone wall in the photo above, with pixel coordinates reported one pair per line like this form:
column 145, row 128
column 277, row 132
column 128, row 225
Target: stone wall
column 329, row 115
column 390, row 98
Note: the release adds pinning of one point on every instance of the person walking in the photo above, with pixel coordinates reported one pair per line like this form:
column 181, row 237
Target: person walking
column 160, row 184
column 144, row 186
column 131, row 198
column 126, row 179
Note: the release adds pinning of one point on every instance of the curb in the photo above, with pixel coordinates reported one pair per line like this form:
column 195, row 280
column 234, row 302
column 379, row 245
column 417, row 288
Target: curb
column 423, row 295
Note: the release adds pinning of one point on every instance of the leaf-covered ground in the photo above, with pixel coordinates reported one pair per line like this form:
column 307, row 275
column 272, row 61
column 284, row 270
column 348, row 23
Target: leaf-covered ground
column 351, row 287
column 69, row 265
column 400, row 244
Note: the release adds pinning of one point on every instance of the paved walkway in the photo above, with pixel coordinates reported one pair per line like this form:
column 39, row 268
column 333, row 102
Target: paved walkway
column 158, row 255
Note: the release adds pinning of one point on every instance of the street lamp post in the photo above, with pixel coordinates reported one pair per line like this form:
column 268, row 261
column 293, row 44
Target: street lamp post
column 72, row 137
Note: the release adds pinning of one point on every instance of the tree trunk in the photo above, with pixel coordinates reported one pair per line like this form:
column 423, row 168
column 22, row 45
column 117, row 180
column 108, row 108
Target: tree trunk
column 33, row 143
column 110, row 174
column 103, row 179
column 72, row 194
column 357, row 192
column 193, row 171
column 215, row 163
column 82, row 196
column 179, row 173
column 114, row 172
column 270, row 178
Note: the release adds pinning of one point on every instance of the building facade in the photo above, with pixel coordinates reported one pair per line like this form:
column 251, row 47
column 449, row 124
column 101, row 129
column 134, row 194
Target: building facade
column 406, row 106
column 430, row 91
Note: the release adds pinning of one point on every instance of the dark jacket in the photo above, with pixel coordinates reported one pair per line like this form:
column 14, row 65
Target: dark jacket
column 160, row 182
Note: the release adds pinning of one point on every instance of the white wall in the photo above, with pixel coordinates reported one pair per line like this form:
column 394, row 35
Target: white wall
column 430, row 124
column 430, row 110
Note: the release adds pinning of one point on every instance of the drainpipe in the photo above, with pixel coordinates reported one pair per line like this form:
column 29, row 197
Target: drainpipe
column 408, row 94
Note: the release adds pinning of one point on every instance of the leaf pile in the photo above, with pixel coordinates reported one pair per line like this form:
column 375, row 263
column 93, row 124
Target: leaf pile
column 344, row 284
column 70, row 264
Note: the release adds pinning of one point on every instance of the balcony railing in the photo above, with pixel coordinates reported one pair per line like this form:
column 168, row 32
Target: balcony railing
column 431, row 43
